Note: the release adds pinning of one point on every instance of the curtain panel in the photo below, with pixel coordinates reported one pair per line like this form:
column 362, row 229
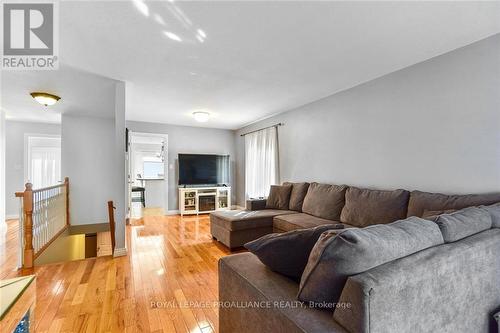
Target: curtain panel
column 261, row 162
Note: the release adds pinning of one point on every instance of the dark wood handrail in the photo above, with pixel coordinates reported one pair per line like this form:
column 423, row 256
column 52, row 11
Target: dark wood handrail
column 111, row 214
column 21, row 194
column 49, row 187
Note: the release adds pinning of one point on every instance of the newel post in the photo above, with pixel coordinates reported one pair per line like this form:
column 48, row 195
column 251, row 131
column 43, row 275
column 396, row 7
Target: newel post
column 28, row 226
column 66, row 185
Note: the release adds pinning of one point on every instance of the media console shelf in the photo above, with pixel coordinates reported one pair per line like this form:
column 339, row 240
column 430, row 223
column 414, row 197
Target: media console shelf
column 199, row 200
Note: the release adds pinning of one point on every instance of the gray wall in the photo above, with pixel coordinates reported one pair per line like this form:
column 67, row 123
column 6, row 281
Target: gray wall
column 185, row 139
column 3, row 226
column 89, row 160
column 434, row 126
column 14, row 158
column 120, row 169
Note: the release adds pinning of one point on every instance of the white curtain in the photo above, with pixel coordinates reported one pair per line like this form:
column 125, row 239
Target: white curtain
column 261, row 162
column 44, row 161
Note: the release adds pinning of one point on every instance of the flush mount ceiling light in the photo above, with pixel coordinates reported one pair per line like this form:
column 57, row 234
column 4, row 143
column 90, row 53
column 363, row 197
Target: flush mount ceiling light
column 201, row 116
column 45, row 98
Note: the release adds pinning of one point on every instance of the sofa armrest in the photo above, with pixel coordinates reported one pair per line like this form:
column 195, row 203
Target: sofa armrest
column 256, row 204
column 244, row 280
column 447, row 288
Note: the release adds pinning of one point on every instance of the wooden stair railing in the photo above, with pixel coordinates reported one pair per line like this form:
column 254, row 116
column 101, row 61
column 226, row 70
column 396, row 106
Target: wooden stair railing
column 44, row 216
column 111, row 213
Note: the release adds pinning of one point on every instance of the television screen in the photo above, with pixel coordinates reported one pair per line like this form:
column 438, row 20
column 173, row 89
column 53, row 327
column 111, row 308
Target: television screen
column 198, row 169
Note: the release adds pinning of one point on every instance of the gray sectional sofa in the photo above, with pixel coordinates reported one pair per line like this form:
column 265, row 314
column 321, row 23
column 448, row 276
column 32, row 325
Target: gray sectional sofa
column 450, row 287
column 326, row 204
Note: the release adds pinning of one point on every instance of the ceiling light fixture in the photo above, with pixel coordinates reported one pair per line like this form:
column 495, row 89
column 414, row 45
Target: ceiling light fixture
column 201, row 116
column 172, row 36
column 45, row 98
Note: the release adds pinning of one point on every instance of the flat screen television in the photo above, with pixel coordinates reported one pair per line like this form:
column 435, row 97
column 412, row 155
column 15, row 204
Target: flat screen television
column 201, row 169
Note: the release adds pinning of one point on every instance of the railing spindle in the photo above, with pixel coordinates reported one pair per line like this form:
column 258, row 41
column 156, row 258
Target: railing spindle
column 44, row 215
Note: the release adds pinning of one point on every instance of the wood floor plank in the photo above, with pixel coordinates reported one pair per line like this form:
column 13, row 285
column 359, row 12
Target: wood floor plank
column 171, row 260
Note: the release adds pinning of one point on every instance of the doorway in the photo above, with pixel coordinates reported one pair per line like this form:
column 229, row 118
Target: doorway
column 42, row 154
column 148, row 174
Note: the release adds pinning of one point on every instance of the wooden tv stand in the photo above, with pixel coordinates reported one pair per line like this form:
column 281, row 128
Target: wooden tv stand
column 199, row 200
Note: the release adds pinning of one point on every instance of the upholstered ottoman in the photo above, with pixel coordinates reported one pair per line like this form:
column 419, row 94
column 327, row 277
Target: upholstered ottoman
column 234, row 228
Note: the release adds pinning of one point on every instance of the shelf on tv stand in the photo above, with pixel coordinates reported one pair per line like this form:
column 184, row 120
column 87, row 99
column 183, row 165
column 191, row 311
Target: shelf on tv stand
column 221, row 195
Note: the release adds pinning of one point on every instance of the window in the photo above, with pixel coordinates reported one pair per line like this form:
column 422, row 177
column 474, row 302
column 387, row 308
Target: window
column 43, row 160
column 261, row 162
column 153, row 169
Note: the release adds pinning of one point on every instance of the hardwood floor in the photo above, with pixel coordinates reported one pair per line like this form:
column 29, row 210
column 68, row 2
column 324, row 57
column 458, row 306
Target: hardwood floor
column 171, row 263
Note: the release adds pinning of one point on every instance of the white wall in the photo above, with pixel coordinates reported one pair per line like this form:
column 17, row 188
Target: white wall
column 14, row 158
column 434, row 126
column 185, row 139
column 89, row 160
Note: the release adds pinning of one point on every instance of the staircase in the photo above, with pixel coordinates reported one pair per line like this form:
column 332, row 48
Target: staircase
column 43, row 217
column 46, row 235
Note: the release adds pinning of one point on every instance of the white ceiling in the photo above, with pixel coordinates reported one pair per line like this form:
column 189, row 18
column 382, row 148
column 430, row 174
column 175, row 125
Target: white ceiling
column 258, row 58
column 82, row 94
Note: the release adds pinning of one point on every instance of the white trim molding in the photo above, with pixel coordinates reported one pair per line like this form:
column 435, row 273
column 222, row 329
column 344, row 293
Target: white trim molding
column 12, row 217
column 172, row 212
column 120, row 252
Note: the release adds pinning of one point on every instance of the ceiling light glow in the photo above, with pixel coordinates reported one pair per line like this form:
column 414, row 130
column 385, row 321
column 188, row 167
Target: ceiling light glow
column 201, row 116
column 172, row 36
column 202, row 33
column 159, row 19
column 142, row 7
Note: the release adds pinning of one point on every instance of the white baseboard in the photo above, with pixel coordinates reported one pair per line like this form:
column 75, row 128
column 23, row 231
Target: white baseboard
column 120, row 252
column 172, row 212
column 238, row 207
column 12, row 217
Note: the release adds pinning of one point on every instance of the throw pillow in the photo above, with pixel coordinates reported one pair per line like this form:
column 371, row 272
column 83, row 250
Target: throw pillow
column 287, row 253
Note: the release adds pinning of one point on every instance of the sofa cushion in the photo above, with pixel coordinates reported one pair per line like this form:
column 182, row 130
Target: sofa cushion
column 428, row 291
column 463, row 223
column 299, row 191
column 287, row 253
column 298, row 221
column 336, row 257
column 494, row 211
column 364, row 207
column 325, row 201
column 421, row 201
column 245, row 279
column 279, row 197
column 245, row 219
column 433, row 214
